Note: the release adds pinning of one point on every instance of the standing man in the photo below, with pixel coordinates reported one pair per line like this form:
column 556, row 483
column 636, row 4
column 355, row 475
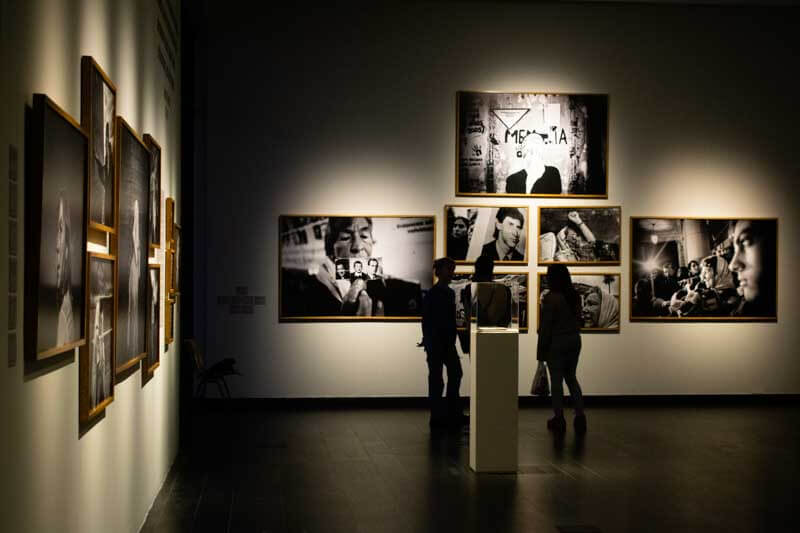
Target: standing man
column 438, row 338
column 507, row 234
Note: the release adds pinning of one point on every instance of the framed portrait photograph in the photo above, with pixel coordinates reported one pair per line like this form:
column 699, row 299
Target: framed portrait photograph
column 462, row 280
column 55, row 232
column 98, row 113
column 532, row 144
column 154, row 219
column 132, row 247
column 97, row 356
column 175, row 288
column 500, row 232
column 580, row 235
column 153, row 319
column 395, row 254
column 599, row 298
column 694, row 269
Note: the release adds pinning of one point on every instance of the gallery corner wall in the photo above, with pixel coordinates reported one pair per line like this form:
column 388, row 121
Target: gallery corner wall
column 59, row 475
column 348, row 110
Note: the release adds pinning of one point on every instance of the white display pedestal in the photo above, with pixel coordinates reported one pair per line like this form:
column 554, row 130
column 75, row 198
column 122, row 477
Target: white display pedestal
column 493, row 403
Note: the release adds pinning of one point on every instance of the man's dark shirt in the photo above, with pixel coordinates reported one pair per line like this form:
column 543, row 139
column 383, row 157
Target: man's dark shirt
column 490, row 249
column 549, row 183
column 665, row 286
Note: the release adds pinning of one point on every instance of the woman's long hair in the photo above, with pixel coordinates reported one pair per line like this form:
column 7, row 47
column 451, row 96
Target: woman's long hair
column 559, row 280
column 484, row 268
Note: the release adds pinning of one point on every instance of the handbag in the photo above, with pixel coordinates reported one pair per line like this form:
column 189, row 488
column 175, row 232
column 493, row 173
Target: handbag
column 541, row 384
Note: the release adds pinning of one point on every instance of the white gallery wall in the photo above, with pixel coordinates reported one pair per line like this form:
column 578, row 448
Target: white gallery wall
column 57, row 475
column 352, row 111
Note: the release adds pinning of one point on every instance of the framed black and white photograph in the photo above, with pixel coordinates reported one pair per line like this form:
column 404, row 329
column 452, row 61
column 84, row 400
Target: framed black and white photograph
column 98, row 112
column 520, row 279
column 97, row 356
column 685, row 269
column 313, row 287
column 599, row 296
column 132, row 249
column 154, row 220
column 176, row 260
column 55, row 232
column 580, row 235
column 499, row 232
column 153, row 318
column 532, row 144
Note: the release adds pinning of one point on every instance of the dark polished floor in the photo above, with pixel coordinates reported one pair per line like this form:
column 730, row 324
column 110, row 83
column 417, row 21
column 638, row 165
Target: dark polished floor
column 660, row 469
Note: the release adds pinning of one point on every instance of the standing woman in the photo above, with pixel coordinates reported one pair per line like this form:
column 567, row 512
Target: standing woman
column 560, row 344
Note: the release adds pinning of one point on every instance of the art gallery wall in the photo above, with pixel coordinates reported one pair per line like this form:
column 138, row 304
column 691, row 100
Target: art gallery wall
column 56, row 475
column 352, row 110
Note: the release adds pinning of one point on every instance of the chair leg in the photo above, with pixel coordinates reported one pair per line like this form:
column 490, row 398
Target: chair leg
column 227, row 390
column 219, row 387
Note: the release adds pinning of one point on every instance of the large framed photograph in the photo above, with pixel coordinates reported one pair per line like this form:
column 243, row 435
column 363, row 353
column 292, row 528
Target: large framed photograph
column 580, row 235
column 98, row 112
column 532, row 144
column 154, row 220
column 97, row 356
column 153, row 319
column 500, row 232
column 462, row 280
column 599, row 295
column 358, row 267
column 685, row 269
column 55, row 232
column 132, row 249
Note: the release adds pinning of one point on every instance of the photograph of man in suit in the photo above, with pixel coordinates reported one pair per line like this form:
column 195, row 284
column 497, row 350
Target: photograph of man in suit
column 507, row 235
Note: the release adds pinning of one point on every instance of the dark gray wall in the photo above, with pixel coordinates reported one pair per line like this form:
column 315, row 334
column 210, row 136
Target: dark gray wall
column 352, row 110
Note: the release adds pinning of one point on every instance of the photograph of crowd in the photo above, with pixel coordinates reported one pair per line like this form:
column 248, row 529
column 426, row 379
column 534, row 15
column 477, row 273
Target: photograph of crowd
column 598, row 296
column 354, row 267
column 99, row 108
column 132, row 247
column 55, row 232
column 499, row 232
column 461, row 286
column 532, row 144
column 695, row 269
column 579, row 235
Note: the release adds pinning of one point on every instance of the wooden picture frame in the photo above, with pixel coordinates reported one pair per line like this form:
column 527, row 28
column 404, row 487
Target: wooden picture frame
column 601, row 309
column 98, row 119
column 735, row 278
column 155, row 301
column 133, row 162
column 562, row 241
column 396, row 253
column 499, row 276
column 503, row 138
column 484, row 227
column 55, row 232
column 97, row 355
column 175, row 283
column 154, row 218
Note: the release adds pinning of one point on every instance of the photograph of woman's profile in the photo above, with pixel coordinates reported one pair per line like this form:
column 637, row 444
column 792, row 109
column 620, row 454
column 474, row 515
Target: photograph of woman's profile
column 55, row 214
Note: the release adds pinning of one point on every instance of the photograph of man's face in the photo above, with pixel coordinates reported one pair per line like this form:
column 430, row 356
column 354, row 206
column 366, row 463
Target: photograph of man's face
column 509, row 231
column 353, row 239
column 354, row 267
